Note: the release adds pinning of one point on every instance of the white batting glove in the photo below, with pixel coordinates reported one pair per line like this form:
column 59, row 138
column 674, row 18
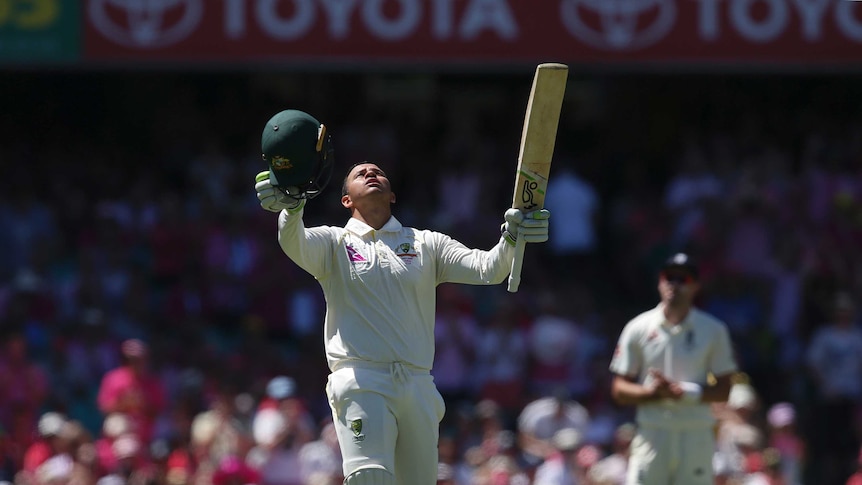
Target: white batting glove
column 533, row 226
column 272, row 199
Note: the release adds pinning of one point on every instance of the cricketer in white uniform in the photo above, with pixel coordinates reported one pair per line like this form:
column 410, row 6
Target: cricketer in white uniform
column 379, row 279
column 662, row 363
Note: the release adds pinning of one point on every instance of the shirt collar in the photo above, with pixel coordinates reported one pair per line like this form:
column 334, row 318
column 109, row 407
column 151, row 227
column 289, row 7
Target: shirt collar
column 663, row 323
column 362, row 229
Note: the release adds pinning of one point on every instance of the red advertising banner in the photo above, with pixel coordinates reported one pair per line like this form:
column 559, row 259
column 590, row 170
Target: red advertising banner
column 756, row 32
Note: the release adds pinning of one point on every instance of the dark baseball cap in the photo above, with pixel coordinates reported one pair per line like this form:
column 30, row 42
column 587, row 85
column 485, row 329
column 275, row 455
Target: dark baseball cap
column 290, row 146
column 681, row 262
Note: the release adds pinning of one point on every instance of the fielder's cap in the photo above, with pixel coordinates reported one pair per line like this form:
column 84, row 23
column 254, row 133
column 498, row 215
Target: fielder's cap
column 290, row 144
column 281, row 387
column 681, row 261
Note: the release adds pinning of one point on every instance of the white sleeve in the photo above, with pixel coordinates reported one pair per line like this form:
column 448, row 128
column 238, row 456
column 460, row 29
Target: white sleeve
column 310, row 248
column 456, row 263
column 626, row 360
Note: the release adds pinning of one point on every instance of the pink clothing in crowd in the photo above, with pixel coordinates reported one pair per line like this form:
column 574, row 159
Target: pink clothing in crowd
column 141, row 397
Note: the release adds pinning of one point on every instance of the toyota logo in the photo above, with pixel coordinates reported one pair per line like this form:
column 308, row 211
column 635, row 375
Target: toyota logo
column 145, row 24
column 618, row 24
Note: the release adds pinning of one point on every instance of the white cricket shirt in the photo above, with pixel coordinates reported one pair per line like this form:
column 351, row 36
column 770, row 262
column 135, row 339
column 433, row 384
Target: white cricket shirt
column 380, row 285
column 688, row 351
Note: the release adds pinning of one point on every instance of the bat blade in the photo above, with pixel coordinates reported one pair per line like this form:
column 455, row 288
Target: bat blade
column 537, row 148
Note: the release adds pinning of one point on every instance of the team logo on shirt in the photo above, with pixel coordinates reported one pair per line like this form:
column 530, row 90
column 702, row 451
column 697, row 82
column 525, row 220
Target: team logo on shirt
column 406, row 252
column 353, row 254
column 356, row 427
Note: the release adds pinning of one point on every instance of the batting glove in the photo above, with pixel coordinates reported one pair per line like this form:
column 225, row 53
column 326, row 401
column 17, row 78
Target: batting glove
column 533, row 226
column 273, row 199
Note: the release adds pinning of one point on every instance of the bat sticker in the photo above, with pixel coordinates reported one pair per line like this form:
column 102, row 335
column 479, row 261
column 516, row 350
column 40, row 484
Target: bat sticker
column 531, row 186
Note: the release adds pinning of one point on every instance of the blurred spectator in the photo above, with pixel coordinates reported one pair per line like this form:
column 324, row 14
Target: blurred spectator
column 322, row 457
column 611, row 470
column 445, row 475
column 553, row 339
column 501, row 358
column 217, row 434
column 560, row 466
column 113, row 426
column 541, row 418
column 25, row 387
column 233, row 471
column 737, row 432
column 782, row 436
column 133, row 390
column 835, row 361
column 48, row 443
column 572, row 242
column 281, row 427
column 455, row 335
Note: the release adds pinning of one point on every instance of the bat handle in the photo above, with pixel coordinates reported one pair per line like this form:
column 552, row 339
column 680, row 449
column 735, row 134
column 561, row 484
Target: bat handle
column 517, row 263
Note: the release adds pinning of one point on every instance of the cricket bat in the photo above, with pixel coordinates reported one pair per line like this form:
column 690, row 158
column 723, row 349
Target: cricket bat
column 537, row 149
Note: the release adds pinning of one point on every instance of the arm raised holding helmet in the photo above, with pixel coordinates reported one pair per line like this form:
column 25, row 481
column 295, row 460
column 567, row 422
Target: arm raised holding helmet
column 379, row 279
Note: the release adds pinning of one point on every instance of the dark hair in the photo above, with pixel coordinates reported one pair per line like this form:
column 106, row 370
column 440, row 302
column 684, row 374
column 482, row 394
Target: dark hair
column 346, row 175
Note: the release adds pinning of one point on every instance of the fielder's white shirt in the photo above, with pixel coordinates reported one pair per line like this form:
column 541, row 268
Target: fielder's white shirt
column 380, row 285
column 688, row 351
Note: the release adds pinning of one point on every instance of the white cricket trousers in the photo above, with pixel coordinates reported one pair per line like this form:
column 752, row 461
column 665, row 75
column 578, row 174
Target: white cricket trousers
column 387, row 416
column 663, row 455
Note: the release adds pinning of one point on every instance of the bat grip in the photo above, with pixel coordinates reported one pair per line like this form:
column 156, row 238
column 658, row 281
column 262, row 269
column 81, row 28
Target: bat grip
column 517, row 263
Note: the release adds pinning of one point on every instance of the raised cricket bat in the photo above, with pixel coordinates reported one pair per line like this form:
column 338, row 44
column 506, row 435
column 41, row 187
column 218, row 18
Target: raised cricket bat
column 537, row 149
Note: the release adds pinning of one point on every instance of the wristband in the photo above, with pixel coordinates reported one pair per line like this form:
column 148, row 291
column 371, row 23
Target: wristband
column 691, row 392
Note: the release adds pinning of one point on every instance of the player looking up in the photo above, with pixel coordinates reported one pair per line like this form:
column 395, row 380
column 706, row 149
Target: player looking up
column 379, row 279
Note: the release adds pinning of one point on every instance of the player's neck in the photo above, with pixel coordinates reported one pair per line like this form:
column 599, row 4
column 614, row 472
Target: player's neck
column 375, row 217
column 676, row 314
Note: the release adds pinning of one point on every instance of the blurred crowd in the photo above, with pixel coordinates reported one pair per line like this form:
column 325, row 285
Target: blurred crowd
column 152, row 331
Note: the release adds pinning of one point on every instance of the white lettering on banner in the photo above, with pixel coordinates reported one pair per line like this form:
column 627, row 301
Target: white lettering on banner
column 847, row 21
column 441, row 19
column 811, row 12
column 490, row 15
column 479, row 16
column 394, row 29
column 339, row 16
column 812, row 15
column 234, row 18
column 759, row 31
column 707, row 19
column 285, row 28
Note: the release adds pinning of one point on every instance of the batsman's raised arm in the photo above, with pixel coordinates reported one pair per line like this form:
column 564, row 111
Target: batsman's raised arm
column 460, row 264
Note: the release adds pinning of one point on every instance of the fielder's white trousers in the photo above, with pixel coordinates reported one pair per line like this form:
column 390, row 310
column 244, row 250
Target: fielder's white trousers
column 680, row 455
column 387, row 416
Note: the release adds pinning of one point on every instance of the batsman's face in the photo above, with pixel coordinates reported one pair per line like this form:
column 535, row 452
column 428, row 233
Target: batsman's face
column 367, row 181
column 677, row 287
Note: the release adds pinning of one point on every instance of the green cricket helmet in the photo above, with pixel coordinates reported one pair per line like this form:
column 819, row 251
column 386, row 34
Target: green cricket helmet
column 299, row 153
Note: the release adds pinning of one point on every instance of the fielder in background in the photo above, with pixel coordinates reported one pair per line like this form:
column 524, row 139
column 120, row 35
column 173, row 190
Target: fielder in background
column 661, row 365
column 379, row 279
